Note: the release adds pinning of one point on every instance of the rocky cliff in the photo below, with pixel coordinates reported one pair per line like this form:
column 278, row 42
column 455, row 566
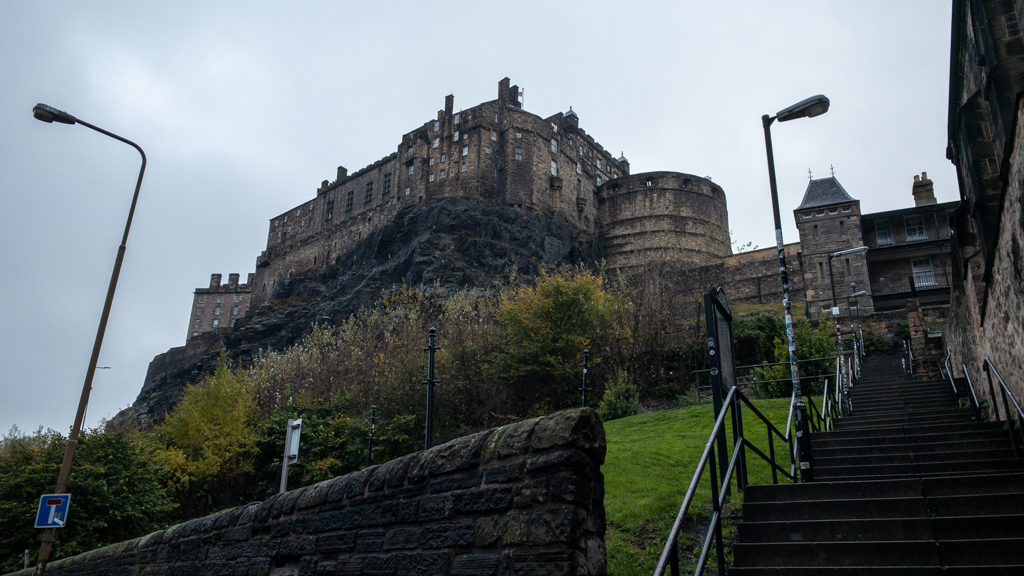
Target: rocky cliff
column 449, row 244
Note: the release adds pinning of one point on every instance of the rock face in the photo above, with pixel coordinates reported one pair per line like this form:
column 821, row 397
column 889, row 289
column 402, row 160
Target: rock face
column 450, row 244
column 526, row 498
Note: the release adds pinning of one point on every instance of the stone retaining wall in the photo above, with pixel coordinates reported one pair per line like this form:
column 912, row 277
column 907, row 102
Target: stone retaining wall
column 526, row 498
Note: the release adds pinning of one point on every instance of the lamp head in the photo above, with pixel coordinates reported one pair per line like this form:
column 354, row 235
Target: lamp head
column 850, row 251
column 855, row 294
column 51, row 114
column 809, row 108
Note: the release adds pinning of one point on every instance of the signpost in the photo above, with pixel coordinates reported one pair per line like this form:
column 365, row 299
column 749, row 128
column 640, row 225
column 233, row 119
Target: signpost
column 53, row 510
column 291, row 450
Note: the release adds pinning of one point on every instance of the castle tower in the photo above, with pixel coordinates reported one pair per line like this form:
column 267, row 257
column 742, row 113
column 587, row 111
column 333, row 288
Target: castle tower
column 828, row 220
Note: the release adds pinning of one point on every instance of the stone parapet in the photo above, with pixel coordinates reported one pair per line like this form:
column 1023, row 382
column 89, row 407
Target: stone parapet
column 526, row 498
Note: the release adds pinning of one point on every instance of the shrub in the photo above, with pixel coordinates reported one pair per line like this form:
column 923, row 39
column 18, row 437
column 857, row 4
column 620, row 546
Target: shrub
column 620, row 399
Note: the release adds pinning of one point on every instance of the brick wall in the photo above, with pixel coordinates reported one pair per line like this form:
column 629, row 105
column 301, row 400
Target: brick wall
column 527, row 498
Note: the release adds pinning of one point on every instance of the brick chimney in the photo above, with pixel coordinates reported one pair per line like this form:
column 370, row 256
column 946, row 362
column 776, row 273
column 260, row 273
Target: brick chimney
column 923, row 192
column 233, row 280
column 214, row 280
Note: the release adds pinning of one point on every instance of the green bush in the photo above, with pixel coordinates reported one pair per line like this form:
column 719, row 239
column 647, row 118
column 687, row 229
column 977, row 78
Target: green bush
column 620, row 399
column 877, row 344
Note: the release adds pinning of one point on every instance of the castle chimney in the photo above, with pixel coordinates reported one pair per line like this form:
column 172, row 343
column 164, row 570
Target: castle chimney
column 923, row 191
column 449, row 104
column 233, row 280
column 214, row 280
column 250, row 279
column 513, row 96
column 342, row 173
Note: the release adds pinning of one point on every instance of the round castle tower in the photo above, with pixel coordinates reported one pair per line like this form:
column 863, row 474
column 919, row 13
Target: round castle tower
column 663, row 216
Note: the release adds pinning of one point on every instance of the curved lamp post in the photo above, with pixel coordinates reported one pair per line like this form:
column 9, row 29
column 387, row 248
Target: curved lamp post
column 50, row 114
column 809, row 108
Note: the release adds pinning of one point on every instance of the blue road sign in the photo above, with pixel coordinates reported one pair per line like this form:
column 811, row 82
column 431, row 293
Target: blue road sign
column 53, row 510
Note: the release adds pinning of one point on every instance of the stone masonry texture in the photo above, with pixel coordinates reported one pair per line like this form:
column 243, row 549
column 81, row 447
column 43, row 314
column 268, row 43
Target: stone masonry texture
column 526, row 498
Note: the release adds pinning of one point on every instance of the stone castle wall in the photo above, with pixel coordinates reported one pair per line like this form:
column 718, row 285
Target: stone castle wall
column 663, row 216
column 753, row 277
column 527, row 498
column 986, row 320
column 496, row 151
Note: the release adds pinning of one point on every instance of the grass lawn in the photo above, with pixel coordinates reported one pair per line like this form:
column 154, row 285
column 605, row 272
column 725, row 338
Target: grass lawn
column 651, row 460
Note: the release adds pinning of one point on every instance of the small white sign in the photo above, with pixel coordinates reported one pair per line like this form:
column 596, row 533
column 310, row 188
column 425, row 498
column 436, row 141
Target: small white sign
column 293, row 433
column 835, row 310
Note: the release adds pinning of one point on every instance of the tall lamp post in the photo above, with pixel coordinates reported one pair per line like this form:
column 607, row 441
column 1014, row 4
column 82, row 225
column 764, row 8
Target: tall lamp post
column 858, row 338
column 50, row 114
column 835, row 304
column 809, row 108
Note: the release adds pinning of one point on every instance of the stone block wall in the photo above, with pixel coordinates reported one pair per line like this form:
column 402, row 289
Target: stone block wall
column 526, row 498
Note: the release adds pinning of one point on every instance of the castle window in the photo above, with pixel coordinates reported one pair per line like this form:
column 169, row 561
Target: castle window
column 431, row 176
column 198, row 323
column 465, row 150
column 820, row 213
column 275, row 223
column 519, row 153
column 368, row 195
column 220, row 299
column 494, row 135
column 437, row 142
column 465, row 136
column 554, row 168
column 554, row 127
column 329, row 210
column 199, row 311
column 216, row 311
column 456, row 121
column 833, row 211
column 387, row 187
column 233, row 322
column 847, row 208
column 456, row 135
column 849, row 272
column 409, row 153
column 406, row 191
column 238, row 298
column 842, row 228
column 883, row 233
column 216, row 323
column 234, row 311
column 648, row 183
column 487, row 149
column 431, row 161
column 442, row 174
column 444, row 157
column 303, row 223
column 554, row 146
column 808, row 215
column 598, row 162
column 821, row 270
column 495, row 116
column 285, row 218
column 519, row 134
column 419, row 199
column 817, row 233
column 194, row 334
column 598, row 180
column 463, row 166
column 348, row 201
column 298, row 211
column 201, row 299
column 579, row 168
column 437, row 125
column 412, row 168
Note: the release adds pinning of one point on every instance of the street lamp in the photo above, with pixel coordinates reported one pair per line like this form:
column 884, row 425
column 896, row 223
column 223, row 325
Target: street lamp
column 858, row 336
column 50, row 114
column 832, row 283
column 809, row 108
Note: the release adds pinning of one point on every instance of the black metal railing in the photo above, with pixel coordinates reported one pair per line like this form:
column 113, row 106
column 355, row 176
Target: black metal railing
column 1012, row 420
column 907, row 357
column 921, row 281
column 815, row 374
column 885, row 239
column 737, row 465
column 966, row 388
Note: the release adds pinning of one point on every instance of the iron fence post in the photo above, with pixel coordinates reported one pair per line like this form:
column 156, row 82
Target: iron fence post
column 369, row 439
column 584, row 365
column 430, row 382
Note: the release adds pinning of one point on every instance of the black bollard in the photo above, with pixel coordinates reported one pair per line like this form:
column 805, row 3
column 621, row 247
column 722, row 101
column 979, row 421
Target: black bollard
column 583, row 389
column 430, row 382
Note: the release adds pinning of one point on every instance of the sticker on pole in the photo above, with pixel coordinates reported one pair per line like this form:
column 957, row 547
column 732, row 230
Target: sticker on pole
column 53, row 510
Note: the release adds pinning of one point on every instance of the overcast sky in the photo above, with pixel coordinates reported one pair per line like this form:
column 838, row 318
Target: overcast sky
column 243, row 108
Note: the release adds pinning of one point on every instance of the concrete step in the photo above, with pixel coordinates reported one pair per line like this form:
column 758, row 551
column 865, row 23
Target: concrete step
column 877, row 472
column 832, row 509
column 897, row 439
column 968, row 444
column 932, row 528
column 908, row 431
column 861, row 422
column 906, row 553
column 821, row 462
column 1007, row 570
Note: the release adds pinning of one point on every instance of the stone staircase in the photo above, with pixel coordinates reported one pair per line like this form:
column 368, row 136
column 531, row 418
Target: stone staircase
column 908, row 485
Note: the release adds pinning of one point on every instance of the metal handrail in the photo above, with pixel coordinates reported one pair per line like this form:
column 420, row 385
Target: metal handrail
column 972, row 397
column 1005, row 392
column 719, row 491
